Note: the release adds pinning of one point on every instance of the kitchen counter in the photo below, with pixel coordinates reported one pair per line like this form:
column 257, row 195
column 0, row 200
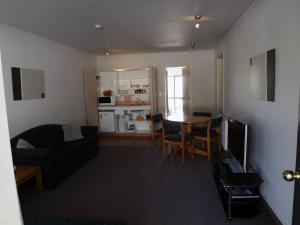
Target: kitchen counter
column 126, row 107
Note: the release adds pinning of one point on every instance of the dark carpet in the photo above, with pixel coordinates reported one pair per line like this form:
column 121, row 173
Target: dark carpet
column 134, row 184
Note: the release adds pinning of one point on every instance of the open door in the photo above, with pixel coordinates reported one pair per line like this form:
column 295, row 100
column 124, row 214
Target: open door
column 294, row 176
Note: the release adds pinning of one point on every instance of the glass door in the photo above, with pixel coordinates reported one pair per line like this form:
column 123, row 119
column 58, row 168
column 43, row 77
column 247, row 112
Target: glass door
column 177, row 99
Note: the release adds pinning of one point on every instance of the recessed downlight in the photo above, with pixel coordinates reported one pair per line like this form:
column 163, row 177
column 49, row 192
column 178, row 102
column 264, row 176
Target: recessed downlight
column 98, row 26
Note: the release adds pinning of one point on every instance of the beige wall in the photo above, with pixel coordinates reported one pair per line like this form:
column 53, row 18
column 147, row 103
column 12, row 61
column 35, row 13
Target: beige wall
column 63, row 67
column 268, row 24
column 200, row 64
column 9, row 202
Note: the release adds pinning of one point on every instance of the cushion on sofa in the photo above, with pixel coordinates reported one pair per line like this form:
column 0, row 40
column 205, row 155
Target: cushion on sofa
column 69, row 148
column 24, row 144
column 71, row 133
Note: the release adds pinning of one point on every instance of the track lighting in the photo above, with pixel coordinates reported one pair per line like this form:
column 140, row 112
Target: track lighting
column 106, row 52
column 197, row 20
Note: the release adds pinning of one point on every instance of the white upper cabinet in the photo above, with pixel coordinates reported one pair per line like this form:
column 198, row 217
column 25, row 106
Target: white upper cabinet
column 107, row 81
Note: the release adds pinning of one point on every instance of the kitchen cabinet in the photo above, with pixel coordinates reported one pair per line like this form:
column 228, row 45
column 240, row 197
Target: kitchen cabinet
column 134, row 100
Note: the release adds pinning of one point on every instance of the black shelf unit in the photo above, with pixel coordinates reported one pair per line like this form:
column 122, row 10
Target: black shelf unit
column 239, row 192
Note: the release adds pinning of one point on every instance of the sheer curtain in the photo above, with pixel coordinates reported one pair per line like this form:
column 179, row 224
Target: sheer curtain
column 153, row 85
column 186, row 90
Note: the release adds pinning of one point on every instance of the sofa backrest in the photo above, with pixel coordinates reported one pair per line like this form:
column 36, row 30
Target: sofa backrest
column 44, row 136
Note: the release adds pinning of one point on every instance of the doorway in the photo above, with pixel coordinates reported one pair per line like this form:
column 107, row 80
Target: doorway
column 177, row 91
column 219, row 84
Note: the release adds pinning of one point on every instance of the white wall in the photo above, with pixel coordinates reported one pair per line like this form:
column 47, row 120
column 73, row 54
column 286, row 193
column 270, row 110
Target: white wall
column 9, row 203
column 63, row 66
column 200, row 64
column 268, row 24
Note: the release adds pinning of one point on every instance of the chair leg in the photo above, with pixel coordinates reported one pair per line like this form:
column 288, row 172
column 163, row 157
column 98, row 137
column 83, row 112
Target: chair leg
column 209, row 150
column 165, row 149
column 192, row 150
column 152, row 143
column 173, row 149
column 219, row 144
column 182, row 154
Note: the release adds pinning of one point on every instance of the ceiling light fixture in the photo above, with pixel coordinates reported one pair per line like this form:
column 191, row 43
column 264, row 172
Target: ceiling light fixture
column 197, row 19
column 98, row 26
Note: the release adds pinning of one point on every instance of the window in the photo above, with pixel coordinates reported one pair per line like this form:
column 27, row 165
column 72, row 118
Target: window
column 175, row 96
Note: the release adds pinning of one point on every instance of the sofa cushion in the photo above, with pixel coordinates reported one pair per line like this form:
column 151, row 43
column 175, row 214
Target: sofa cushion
column 24, row 144
column 71, row 133
column 68, row 149
column 34, row 154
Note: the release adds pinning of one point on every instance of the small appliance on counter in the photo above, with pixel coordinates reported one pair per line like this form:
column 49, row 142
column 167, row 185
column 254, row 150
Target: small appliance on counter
column 106, row 100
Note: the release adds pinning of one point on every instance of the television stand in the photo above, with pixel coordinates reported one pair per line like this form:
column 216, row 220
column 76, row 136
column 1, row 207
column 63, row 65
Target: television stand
column 239, row 190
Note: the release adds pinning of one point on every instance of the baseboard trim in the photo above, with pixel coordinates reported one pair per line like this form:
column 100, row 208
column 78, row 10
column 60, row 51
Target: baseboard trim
column 269, row 210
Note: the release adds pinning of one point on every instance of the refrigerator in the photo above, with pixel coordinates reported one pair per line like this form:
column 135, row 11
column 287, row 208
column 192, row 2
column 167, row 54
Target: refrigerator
column 107, row 121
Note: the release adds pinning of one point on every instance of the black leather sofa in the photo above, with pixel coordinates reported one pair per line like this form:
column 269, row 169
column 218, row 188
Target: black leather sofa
column 57, row 158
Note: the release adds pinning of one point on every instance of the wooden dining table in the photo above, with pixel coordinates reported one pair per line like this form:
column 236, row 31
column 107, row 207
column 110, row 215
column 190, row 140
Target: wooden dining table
column 188, row 120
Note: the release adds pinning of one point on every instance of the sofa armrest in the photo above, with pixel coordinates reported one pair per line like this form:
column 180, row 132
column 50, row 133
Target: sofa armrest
column 89, row 131
column 20, row 154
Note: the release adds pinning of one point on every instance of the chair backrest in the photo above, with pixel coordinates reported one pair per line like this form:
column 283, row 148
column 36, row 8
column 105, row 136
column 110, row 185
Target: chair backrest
column 157, row 118
column 216, row 122
column 204, row 114
column 171, row 126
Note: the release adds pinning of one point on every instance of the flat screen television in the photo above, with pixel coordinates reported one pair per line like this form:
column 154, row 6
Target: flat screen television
column 237, row 141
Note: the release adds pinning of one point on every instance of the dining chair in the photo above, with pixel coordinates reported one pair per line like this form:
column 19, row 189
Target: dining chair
column 208, row 134
column 156, row 127
column 174, row 137
column 202, row 114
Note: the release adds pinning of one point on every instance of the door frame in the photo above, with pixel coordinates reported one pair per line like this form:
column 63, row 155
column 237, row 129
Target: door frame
column 296, row 204
column 220, row 72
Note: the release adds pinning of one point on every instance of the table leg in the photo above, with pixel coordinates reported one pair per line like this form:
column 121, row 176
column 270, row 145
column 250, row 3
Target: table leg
column 229, row 216
column 39, row 182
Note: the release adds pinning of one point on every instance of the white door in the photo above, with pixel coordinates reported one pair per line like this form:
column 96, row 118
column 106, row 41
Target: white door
column 90, row 97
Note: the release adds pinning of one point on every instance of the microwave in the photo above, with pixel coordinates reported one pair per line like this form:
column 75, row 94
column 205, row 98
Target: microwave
column 107, row 100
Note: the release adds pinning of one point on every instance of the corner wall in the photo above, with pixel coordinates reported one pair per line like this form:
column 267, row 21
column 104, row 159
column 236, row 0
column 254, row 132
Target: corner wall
column 9, row 202
column 268, row 24
column 63, row 66
column 200, row 64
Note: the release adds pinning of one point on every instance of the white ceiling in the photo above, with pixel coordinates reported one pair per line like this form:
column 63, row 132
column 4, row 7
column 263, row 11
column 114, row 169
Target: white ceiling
column 130, row 26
